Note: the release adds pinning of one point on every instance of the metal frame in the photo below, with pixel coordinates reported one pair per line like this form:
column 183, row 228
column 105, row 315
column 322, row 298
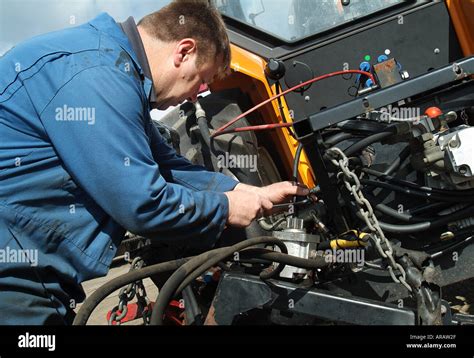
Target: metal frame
column 239, row 293
column 306, row 128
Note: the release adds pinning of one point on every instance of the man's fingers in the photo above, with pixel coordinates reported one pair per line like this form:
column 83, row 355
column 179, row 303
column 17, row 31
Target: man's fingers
column 297, row 189
column 267, row 204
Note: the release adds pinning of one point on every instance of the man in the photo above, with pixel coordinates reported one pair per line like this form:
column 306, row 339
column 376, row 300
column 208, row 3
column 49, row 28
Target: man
column 81, row 161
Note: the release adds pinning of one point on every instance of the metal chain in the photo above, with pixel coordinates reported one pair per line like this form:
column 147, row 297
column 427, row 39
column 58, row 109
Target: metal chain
column 352, row 183
column 128, row 293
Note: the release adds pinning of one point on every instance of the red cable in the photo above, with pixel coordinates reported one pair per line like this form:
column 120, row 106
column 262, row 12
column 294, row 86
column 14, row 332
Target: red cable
column 222, row 131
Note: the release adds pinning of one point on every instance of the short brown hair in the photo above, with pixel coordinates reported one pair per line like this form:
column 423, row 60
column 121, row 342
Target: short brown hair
column 196, row 19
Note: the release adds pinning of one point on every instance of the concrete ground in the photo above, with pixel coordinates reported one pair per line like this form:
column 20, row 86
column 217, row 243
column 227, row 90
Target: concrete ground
column 99, row 315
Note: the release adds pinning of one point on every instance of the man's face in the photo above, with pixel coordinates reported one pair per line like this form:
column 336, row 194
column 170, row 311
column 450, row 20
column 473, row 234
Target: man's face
column 184, row 78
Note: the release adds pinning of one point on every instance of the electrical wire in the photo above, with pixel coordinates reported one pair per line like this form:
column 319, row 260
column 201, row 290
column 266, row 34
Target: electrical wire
column 262, row 127
column 221, row 130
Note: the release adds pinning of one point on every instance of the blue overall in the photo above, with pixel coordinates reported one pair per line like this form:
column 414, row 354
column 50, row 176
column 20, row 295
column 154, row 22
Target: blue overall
column 81, row 163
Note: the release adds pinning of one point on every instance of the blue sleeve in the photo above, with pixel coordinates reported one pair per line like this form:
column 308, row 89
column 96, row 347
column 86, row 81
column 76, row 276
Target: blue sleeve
column 177, row 169
column 96, row 124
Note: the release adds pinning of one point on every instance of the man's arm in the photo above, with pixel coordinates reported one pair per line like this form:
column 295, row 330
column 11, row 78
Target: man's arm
column 108, row 154
column 177, row 169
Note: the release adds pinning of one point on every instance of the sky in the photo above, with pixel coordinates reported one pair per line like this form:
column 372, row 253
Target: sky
column 22, row 19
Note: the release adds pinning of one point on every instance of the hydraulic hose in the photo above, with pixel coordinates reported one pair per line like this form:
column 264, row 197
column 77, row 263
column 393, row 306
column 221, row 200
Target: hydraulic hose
column 210, row 258
column 417, row 192
column 296, row 162
column 202, row 124
column 404, row 154
column 338, row 138
column 364, row 143
column 390, row 179
column 101, row 293
column 211, row 262
column 428, row 225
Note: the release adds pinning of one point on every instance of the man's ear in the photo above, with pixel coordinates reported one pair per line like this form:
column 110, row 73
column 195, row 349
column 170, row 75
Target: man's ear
column 183, row 50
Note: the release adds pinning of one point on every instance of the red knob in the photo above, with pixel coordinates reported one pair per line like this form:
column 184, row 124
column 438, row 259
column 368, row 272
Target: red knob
column 433, row 112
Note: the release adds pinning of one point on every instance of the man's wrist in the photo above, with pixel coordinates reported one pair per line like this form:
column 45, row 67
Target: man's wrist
column 247, row 188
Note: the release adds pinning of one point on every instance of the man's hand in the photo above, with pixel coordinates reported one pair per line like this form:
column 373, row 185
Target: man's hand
column 244, row 207
column 277, row 193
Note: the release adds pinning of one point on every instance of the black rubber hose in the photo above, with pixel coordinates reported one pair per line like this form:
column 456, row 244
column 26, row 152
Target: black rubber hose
column 364, row 143
column 405, row 216
column 397, row 181
column 272, row 256
column 428, row 208
column 384, row 209
column 338, row 138
column 211, row 262
column 296, row 162
column 366, row 127
column 169, row 288
column 451, row 247
column 417, row 192
column 404, row 154
column 101, row 293
column 428, row 225
column 204, row 129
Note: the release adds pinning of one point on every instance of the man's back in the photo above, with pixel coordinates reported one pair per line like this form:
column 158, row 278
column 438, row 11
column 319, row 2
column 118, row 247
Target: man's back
column 41, row 206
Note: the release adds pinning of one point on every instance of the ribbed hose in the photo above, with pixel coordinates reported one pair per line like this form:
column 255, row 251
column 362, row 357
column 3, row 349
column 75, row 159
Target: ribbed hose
column 101, row 293
column 168, row 290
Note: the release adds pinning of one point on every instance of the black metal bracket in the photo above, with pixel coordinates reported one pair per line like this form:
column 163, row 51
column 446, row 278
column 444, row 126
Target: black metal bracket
column 306, row 128
column 238, row 293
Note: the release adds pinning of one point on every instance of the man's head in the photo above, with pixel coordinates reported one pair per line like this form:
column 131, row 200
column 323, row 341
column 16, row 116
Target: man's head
column 187, row 45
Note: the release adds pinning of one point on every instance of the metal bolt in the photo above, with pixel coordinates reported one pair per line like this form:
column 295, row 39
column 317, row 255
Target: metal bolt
column 307, row 98
column 437, row 51
column 463, row 170
column 448, row 235
column 453, row 143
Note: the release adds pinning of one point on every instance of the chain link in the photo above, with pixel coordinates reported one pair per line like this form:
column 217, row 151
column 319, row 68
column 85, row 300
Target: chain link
column 128, row 293
column 352, row 183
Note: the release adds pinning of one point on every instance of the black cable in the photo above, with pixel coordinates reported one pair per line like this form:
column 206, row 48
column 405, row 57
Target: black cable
column 296, row 162
column 362, row 126
column 338, row 138
column 391, row 179
column 205, row 132
column 428, row 225
column 272, row 256
column 404, row 154
column 384, row 209
column 451, row 247
column 417, row 192
column 101, row 293
column 364, row 143
column 214, row 256
column 210, row 263
column 428, row 208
